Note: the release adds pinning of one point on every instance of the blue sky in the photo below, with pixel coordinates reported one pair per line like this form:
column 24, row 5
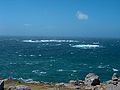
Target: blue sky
column 76, row 18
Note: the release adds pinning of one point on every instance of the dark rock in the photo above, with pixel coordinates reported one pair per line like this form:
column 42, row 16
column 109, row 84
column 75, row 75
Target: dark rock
column 95, row 82
column 1, row 85
column 92, row 79
column 112, row 82
column 115, row 77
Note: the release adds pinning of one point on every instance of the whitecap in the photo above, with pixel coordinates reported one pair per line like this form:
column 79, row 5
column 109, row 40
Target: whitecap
column 115, row 70
column 100, row 66
column 88, row 46
column 39, row 41
column 96, row 43
column 19, row 55
column 26, row 80
column 74, row 70
column 39, row 72
column 32, row 55
column 43, row 72
column 39, row 55
column 29, row 80
column 30, row 41
column 60, row 70
column 71, row 75
column 21, row 79
column 35, row 71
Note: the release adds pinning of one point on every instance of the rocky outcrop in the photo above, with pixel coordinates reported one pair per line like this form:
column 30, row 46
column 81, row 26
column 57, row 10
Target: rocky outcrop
column 19, row 87
column 115, row 77
column 92, row 79
column 113, row 84
column 59, row 84
column 92, row 82
column 1, row 85
column 76, row 82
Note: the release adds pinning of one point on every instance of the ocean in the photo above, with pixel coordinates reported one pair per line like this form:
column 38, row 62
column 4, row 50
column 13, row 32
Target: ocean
column 58, row 59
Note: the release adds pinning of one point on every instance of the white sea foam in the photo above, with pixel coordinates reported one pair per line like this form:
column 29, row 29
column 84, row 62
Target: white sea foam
column 74, row 70
column 39, row 55
column 39, row 72
column 60, row 70
column 88, row 46
column 96, row 43
column 29, row 80
column 115, row 70
column 39, row 41
column 35, row 71
column 19, row 55
column 43, row 72
column 101, row 66
column 71, row 74
column 32, row 55
column 26, row 80
column 21, row 79
column 13, row 63
column 28, row 63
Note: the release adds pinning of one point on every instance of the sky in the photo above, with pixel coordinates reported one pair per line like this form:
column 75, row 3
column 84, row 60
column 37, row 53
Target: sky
column 75, row 18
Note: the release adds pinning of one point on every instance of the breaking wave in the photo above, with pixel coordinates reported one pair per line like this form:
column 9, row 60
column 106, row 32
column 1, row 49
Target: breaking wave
column 115, row 70
column 39, row 72
column 39, row 41
column 61, row 70
column 88, row 46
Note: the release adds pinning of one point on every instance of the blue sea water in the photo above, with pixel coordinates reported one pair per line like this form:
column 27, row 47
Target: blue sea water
column 58, row 59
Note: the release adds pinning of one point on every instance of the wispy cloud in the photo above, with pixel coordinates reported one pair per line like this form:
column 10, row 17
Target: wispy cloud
column 81, row 16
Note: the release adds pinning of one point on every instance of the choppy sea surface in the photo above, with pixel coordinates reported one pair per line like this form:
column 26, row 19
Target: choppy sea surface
column 58, row 59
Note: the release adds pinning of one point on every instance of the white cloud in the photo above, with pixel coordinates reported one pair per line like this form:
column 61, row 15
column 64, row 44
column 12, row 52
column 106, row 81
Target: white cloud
column 82, row 16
